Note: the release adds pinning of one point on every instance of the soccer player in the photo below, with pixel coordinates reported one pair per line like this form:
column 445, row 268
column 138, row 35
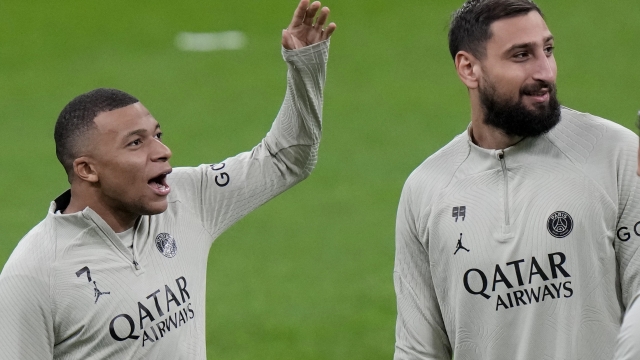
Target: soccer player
column 117, row 268
column 549, row 197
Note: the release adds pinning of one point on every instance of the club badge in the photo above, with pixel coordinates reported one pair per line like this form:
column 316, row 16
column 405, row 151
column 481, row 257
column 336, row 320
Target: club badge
column 560, row 224
column 166, row 244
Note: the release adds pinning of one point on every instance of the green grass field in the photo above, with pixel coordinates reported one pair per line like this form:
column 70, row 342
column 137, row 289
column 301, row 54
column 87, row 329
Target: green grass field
column 309, row 275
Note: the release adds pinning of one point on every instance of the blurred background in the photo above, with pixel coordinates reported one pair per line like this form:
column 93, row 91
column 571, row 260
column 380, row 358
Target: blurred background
column 308, row 275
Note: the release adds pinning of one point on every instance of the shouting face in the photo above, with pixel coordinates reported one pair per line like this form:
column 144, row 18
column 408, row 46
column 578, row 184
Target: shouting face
column 130, row 161
column 518, row 84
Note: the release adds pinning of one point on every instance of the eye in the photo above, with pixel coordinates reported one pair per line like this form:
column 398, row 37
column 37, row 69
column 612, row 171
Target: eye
column 159, row 136
column 521, row 55
column 135, row 142
column 549, row 50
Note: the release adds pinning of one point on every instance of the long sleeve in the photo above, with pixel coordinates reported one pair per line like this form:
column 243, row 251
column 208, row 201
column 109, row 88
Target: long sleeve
column 627, row 238
column 628, row 347
column 223, row 193
column 627, row 244
column 25, row 309
column 420, row 330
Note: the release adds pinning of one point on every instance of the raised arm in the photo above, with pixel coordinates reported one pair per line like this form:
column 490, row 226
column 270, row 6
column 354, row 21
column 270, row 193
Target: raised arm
column 223, row 193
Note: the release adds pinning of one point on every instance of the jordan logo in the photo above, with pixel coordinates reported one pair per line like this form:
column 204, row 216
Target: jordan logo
column 459, row 246
column 97, row 292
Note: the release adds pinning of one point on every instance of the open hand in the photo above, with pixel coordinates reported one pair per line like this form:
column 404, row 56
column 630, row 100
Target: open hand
column 302, row 31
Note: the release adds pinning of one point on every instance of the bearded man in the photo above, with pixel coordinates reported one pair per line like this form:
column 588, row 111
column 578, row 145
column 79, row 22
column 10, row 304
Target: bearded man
column 117, row 269
column 542, row 198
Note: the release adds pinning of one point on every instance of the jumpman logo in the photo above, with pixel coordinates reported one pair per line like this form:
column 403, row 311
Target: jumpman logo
column 459, row 246
column 98, row 292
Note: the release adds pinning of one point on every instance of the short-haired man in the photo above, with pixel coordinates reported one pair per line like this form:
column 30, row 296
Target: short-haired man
column 117, row 268
column 541, row 200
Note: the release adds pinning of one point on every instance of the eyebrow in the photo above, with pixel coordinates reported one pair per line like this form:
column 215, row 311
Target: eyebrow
column 140, row 131
column 528, row 45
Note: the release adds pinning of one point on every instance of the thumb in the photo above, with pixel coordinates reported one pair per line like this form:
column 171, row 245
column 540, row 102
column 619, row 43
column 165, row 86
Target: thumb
column 286, row 40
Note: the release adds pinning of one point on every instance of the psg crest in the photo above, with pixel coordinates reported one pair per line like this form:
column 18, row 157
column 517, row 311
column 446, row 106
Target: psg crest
column 560, row 224
column 166, row 244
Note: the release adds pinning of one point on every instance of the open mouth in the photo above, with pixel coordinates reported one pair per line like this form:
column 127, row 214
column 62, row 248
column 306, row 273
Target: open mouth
column 539, row 96
column 159, row 184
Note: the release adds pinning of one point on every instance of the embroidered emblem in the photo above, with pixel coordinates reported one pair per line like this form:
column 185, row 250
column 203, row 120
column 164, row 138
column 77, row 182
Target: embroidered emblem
column 97, row 292
column 560, row 224
column 459, row 246
column 459, row 212
column 166, row 244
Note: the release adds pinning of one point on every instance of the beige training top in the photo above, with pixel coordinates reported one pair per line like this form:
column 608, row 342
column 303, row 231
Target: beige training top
column 73, row 290
column 525, row 253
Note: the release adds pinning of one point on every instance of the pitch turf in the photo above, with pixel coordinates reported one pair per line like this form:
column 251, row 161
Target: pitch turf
column 309, row 275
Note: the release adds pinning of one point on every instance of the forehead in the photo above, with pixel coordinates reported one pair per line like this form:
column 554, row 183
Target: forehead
column 529, row 28
column 124, row 120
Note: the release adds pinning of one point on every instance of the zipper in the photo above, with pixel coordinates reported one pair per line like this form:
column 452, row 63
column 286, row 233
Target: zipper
column 113, row 237
column 506, row 187
column 134, row 248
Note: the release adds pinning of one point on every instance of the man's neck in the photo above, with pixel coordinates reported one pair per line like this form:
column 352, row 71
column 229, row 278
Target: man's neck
column 119, row 221
column 486, row 136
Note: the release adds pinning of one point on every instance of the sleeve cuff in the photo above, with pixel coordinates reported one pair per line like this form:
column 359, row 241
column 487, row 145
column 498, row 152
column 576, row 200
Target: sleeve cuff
column 316, row 53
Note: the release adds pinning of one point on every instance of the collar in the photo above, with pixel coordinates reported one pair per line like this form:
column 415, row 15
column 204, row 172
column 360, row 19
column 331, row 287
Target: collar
column 89, row 218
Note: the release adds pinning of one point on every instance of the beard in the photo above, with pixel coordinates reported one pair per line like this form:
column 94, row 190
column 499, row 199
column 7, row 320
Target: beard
column 513, row 117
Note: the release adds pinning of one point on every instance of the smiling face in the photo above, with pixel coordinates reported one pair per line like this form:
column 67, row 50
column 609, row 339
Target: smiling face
column 130, row 161
column 517, row 86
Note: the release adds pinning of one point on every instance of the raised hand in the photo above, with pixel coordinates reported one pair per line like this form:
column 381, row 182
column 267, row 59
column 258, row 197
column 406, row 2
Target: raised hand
column 302, row 31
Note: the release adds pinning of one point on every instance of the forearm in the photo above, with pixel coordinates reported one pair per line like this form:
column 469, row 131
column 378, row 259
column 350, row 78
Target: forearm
column 299, row 122
column 227, row 191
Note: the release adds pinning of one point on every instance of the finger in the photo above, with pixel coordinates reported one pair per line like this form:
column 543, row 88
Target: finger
column 311, row 13
column 299, row 13
column 322, row 18
column 328, row 31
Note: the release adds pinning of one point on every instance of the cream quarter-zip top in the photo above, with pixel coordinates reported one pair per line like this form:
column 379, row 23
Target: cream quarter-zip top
column 72, row 289
column 520, row 253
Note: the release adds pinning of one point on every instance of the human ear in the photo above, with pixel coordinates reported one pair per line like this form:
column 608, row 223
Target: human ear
column 85, row 170
column 468, row 69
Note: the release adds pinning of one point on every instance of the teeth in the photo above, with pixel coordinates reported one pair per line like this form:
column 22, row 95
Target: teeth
column 160, row 187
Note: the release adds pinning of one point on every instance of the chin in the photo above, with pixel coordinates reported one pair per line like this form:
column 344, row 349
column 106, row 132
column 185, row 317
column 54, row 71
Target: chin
column 155, row 208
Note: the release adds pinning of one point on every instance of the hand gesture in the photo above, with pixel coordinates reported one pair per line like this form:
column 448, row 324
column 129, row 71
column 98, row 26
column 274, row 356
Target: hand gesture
column 302, row 31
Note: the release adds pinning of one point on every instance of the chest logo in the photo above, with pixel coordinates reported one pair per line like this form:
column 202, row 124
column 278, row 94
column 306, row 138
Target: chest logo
column 167, row 245
column 459, row 212
column 459, row 246
column 97, row 293
column 560, row 224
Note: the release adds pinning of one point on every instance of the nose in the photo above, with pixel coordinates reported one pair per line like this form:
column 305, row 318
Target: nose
column 161, row 152
column 545, row 69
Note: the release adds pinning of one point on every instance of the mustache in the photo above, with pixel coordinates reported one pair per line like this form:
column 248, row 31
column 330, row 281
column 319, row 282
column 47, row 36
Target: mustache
column 538, row 88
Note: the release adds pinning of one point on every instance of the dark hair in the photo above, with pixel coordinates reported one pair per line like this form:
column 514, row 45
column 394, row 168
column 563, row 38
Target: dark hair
column 470, row 25
column 77, row 118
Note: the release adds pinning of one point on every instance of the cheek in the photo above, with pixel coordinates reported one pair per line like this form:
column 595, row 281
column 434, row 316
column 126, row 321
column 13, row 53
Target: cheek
column 554, row 66
column 123, row 176
column 507, row 81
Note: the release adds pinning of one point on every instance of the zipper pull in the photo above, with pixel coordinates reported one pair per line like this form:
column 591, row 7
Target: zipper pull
column 500, row 154
column 135, row 263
